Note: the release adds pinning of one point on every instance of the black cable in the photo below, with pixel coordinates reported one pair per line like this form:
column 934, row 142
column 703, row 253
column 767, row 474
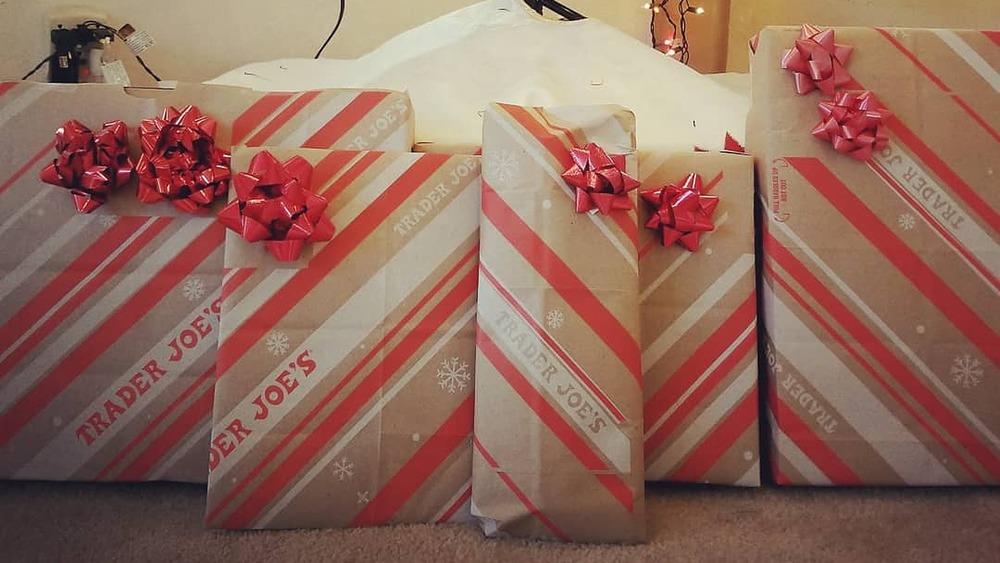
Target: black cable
column 149, row 70
column 38, row 66
column 340, row 18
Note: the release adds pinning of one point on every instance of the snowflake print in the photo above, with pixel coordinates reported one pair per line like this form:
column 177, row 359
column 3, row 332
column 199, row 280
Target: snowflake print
column 342, row 469
column 453, row 375
column 107, row 221
column 277, row 343
column 363, row 497
column 193, row 289
column 502, row 166
column 967, row 371
column 907, row 221
column 554, row 319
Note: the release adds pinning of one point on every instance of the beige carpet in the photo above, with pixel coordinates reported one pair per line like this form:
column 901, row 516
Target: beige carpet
column 162, row 522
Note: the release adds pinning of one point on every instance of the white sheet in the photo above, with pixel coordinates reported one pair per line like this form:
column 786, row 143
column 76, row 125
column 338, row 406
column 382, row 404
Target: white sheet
column 498, row 50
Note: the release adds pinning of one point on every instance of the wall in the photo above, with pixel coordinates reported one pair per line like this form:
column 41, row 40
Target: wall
column 199, row 39
column 748, row 16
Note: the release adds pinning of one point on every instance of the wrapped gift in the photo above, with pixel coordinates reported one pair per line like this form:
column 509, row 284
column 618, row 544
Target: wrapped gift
column 109, row 319
column 558, row 439
column 699, row 319
column 344, row 395
column 877, row 152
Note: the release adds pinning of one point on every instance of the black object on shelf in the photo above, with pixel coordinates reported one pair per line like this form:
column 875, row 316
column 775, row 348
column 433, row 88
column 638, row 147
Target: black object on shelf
column 557, row 7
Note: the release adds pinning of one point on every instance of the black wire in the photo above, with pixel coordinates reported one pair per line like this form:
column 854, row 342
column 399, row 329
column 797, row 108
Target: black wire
column 38, row 66
column 340, row 18
column 149, row 70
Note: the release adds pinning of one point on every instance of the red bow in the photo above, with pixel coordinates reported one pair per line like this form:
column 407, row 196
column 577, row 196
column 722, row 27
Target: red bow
column 90, row 165
column 682, row 213
column 180, row 161
column 600, row 180
column 817, row 61
column 273, row 204
column 853, row 122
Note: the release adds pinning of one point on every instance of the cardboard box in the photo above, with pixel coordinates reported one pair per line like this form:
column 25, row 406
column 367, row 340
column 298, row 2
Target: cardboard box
column 344, row 395
column 109, row 320
column 699, row 330
column 558, row 439
column 881, row 276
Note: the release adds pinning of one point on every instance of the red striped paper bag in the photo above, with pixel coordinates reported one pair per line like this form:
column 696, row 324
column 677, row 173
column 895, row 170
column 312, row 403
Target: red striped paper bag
column 699, row 331
column 108, row 321
column 344, row 395
column 558, row 396
column 882, row 276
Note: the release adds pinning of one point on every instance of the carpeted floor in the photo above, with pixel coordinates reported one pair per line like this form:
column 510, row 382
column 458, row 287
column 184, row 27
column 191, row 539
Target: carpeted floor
column 162, row 522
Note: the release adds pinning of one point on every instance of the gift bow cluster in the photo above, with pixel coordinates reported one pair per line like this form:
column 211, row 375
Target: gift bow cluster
column 600, row 180
column 90, row 164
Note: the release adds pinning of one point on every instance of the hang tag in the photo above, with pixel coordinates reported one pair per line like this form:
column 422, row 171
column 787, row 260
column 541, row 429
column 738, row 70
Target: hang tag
column 137, row 40
column 115, row 73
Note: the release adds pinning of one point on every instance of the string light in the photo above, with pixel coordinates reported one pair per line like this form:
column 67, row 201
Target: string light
column 677, row 43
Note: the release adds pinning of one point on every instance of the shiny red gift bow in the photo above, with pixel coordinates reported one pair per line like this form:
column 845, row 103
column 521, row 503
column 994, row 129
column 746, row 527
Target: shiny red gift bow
column 90, row 164
column 817, row 61
column 853, row 122
column 681, row 213
column 600, row 180
column 273, row 204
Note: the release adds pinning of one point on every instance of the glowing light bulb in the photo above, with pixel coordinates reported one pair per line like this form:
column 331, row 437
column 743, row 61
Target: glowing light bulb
column 671, row 53
column 699, row 10
column 647, row 6
column 656, row 9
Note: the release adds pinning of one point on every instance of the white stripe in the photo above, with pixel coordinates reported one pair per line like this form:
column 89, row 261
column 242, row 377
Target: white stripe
column 66, row 453
column 970, row 56
column 837, row 385
column 42, row 254
column 399, row 140
column 28, row 332
column 363, row 312
column 73, row 336
column 22, row 209
column 556, row 176
column 15, row 104
column 897, row 342
column 317, row 120
column 705, row 302
column 677, row 263
column 786, row 448
column 268, row 119
column 198, row 439
column 751, row 478
column 462, row 514
column 749, row 330
column 375, row 410
column 700, row 427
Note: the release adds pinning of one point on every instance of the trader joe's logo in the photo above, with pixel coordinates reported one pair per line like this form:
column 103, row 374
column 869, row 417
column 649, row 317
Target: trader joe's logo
column 779, row 190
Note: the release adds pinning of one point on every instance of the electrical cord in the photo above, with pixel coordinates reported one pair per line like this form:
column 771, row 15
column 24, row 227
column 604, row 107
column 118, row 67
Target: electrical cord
column 340, row 19
column 38, row 66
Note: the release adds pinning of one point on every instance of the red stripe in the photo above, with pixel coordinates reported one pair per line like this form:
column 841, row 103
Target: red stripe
column 532, row 509
column 656, row 240
column 245, row 124
column 7, row 87
column 199, row 411
column 860, row 334
column 562, row 278
column 353, row 173
column 552, row 144
column 465, row 496
column 235, row 281
column 566, row 434
column 350, row 236
column 345, row 120
column 708, row 453
column 673, row 422
column 282, row 118
column 315, row 442
column 688, row 372
column 895, row 250
column 375, row 350
column 554, row 346
column 976, row 117
column 806, row 439
column 452, row 434
column 325, row 169
column 993, row 36
column 957, row 245
column 110, row 331
column 27, row 166
column 82, row 296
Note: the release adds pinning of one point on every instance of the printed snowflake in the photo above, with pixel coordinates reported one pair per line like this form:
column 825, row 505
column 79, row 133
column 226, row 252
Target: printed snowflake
column 453, row 375
column 502, row 166
column 554, row 319
column 342, row 469
column 907, row 221
column 277, row 343
column 193, row 289
column 967, row 371
column 363, row 497
column 107, row 221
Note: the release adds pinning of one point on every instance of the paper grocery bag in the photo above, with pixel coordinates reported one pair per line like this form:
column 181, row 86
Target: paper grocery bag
column 558, row 427
column 109, row 320
column 344, row 395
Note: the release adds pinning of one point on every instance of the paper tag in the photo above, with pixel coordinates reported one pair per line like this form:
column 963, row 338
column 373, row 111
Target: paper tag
column 115, row 73
column 139, row 41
